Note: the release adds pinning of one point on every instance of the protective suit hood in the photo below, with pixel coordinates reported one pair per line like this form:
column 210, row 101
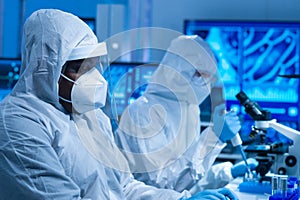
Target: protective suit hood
column 174, row 76
column 50, row 36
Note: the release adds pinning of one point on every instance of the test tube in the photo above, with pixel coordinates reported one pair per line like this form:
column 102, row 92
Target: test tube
column 283, row 186
column 274, row 185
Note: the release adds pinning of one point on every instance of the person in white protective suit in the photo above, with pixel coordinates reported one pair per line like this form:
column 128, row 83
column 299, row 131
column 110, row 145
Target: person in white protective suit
column 55, row 142
column 159, row 133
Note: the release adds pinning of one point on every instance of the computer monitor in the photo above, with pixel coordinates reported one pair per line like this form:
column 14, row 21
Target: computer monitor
column 9, row 74
column 250, row 56
column 128, row 81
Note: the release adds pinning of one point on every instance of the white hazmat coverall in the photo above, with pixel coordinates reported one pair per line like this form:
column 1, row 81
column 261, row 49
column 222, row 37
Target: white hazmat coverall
column 159, row 133
column 42, row 155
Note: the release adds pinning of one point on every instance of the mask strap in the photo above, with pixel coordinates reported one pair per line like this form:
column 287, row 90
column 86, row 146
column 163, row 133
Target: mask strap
column 66, row 100
column 67, row 78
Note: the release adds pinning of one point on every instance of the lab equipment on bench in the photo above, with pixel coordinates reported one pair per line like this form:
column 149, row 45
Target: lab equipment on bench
column 284, row 188
column 283, row 159
column 281, row 187
column 255, row 185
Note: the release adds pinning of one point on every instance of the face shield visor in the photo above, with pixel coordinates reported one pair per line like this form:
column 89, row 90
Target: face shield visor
column 100, row 50
column 90, row 87
column 91, row 53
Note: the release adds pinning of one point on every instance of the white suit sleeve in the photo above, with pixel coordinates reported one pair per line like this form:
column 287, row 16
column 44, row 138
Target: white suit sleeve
column 36, row 177
column 136, row 190
column 208, row 148
column 217, row 175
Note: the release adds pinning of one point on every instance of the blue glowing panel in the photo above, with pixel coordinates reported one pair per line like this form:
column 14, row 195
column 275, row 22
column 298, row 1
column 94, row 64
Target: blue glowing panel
column 128, row 81
column 9, row 74
column 250, row 57
column 226, row 49
column 267, row 53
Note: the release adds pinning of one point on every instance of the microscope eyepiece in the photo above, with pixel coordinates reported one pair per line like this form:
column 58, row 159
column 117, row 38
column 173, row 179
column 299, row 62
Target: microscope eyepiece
column 252, row 108
column 242, row 97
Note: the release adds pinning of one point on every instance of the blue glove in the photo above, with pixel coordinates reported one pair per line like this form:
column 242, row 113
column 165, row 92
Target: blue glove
column 240, row 168
column 226, row 125
column 223, row 194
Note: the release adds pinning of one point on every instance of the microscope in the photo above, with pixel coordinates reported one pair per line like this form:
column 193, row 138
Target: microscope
column 277, row 158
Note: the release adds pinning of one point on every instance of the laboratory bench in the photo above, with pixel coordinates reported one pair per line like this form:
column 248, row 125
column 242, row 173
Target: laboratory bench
column 233, row 185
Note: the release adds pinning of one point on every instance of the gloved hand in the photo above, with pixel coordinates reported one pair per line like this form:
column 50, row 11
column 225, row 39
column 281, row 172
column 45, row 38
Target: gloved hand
column 240, row 168
column 226, row 124
column 222, row 193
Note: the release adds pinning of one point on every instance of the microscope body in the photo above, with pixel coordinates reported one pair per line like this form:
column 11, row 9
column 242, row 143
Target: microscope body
column 286, row 161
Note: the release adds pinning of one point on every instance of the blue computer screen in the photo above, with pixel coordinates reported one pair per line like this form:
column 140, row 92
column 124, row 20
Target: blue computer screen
column 250, row 57
column 9, row 74
column 128, row 81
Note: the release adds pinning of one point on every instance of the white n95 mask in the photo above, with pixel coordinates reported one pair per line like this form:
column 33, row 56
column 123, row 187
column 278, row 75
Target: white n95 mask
column 89, row 91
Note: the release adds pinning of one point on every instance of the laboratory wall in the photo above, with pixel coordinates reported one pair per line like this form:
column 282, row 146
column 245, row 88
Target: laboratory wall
column 160, row 13
column 171, row 13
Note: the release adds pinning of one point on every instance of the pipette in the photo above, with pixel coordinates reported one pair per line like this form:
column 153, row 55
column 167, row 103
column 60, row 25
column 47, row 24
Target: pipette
column 236, row 141
column 217, row 94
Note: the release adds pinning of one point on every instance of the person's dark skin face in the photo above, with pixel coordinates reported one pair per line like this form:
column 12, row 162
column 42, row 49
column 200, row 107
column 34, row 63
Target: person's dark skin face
column 73, row 70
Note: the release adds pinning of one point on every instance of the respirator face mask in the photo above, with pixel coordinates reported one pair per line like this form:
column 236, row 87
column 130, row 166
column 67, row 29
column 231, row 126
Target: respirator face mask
column 89, row 90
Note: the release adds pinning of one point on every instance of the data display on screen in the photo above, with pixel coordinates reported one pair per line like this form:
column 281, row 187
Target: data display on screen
column 9, row 74
column 250, row 57
column 128, row 81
